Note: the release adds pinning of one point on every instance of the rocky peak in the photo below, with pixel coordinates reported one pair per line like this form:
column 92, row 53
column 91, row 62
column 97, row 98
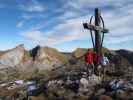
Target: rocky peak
column 46, row 57
column 13, row 56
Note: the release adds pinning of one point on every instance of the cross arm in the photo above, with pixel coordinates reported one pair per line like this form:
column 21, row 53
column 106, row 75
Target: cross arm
column 95, row 28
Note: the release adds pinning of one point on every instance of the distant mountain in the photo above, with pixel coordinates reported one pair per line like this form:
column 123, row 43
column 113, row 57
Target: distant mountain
column 21, row 63
column 126, row 54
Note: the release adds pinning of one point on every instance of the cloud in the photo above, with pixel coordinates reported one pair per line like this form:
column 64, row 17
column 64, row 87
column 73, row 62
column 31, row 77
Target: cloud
column 117, row 40
column 29, row 16
column 120, row 25
column 33, row 6
column 20, row 24
column 32, row 9
column 82, row 4
column 116, row 15
column 65, row 32
column 35, row 36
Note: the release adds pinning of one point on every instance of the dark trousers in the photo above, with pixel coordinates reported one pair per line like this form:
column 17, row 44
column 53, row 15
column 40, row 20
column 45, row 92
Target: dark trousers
column 90, row 69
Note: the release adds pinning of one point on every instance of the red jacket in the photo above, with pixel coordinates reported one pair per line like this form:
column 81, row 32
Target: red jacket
column 96, row 58
column 89, row 57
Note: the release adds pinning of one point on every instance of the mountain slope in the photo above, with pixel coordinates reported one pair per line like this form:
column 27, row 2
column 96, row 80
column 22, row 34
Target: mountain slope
column 13, row 56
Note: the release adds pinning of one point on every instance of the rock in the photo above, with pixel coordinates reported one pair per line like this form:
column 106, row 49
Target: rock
column 100, row 92
column 128, row 86
column 122, row 95
column 121, row 63
column 105, row 97
column 40, row 97
column 130, row 95
column 94, row 80
column 84, row 82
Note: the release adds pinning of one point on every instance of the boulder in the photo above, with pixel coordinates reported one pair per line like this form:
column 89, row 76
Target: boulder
column 121, row 95
column 94, row 80
column 105, row 97
column 100, row 92
column 84, row 82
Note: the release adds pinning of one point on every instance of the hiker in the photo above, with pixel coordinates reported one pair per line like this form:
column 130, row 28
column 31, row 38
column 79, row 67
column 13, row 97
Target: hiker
column 96, row 61
column 89, row 62
column 104, row 62
column 97, row 58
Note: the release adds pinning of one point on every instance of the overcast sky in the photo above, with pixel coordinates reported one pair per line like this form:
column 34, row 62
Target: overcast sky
column 58, row 23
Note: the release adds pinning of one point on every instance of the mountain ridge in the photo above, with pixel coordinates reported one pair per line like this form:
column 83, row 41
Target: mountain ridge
column 41, row 59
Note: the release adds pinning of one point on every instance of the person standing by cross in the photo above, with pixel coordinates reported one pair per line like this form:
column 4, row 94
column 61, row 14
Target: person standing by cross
column 97, row 44
column 89, row 59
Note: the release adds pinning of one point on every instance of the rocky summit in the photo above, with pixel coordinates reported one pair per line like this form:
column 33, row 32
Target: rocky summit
column 62, row 76
column 12, row 57
column 26, row 62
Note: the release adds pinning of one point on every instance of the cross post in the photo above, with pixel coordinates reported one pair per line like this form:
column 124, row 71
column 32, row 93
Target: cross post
column 97, row 32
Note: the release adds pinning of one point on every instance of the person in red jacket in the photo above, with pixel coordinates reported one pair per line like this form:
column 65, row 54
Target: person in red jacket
column 97, row 63
column 89, row 58
column 96, row 58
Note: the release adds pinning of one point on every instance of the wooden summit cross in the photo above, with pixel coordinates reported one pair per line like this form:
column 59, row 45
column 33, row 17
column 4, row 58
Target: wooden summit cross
column 97, row 28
